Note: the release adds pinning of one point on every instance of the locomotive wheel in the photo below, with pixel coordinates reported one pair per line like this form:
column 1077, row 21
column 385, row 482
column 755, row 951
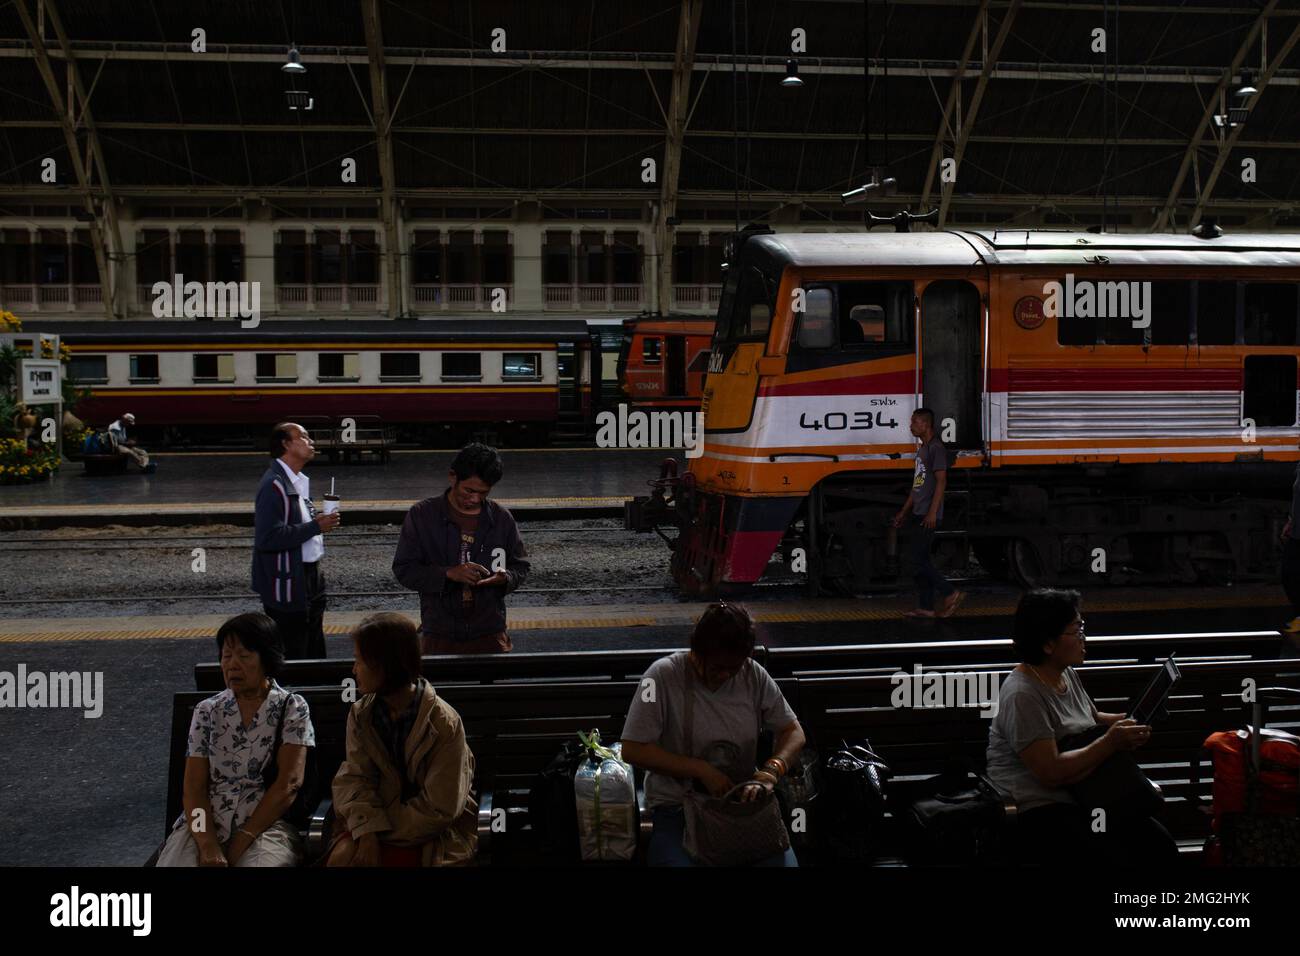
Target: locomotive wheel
column 1025, row 563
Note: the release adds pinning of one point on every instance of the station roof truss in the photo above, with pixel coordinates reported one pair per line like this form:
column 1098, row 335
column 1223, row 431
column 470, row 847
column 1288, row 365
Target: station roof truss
column 489, row 104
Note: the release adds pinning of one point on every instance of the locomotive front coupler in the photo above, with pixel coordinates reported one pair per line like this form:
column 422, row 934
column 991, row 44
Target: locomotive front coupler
column 668, row 504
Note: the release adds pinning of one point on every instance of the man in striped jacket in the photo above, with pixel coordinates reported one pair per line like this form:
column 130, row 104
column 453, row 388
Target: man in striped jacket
column 288, row 547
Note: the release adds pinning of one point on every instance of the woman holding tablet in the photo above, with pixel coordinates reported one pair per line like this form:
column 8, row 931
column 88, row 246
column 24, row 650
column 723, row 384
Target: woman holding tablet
column 1041, row 702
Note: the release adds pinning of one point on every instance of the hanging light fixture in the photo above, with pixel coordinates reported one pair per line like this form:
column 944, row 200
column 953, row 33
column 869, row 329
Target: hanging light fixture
column 1247, row 88
column 792, row 74
column 294, row 63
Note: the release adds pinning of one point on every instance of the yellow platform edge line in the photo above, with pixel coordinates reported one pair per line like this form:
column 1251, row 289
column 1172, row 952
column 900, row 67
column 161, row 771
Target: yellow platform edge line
column 672, row 616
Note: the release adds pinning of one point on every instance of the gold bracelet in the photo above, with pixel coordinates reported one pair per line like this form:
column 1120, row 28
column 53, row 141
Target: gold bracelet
column 781, row 768
column 247, row 834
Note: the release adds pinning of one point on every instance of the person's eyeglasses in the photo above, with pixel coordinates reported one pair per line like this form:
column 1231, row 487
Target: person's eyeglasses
column 1077, row 633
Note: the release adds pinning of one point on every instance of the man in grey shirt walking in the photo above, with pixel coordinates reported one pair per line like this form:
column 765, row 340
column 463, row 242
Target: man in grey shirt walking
column 922, row 512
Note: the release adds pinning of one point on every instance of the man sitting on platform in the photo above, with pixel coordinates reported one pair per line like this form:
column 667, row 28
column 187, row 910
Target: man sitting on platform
column 127, row 446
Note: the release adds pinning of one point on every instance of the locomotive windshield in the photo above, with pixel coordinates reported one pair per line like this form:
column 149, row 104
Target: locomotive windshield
column 747, row 305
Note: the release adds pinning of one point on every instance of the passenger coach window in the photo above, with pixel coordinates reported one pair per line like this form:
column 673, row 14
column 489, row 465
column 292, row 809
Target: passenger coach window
column 1216, row 313
column 1171, row 313
column 144, row 368
column 465, row 366
column 401, row 366
column 857, row 314
column 521, row 365
column 214, row 367
column 339, row 366
column 89, row 369
column 1270, row 313
column 277, row 367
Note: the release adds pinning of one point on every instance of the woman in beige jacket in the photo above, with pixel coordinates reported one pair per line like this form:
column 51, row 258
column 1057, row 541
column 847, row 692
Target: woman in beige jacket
column 402, row 795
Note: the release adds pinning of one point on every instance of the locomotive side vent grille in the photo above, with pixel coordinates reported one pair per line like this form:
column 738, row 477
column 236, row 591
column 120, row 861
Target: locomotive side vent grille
column 1122, row 414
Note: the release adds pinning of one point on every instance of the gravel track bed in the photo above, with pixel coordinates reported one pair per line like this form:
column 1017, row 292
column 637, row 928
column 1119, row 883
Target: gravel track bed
column 560, row 560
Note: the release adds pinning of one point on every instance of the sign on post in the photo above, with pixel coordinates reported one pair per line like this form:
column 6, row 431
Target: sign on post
column 39, row 380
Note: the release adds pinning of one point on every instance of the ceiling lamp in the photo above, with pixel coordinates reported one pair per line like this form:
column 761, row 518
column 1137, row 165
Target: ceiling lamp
column 294, row 63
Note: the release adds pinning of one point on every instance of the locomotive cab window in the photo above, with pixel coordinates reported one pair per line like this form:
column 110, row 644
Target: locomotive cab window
column 521, row 366
column 88, row 369
column 856, row 315
column 399, row 366
column 144, row 368
column 277, row 367
column 652, row 350
column 747, row 306
column 462, row 366
column 214, row 367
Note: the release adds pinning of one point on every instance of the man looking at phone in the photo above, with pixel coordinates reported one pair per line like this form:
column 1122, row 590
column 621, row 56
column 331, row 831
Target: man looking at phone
column 463, row 554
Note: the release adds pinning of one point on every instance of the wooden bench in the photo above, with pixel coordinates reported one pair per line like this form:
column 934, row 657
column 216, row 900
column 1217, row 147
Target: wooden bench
column 515, row 727
column 780, row 661
column 918, row 743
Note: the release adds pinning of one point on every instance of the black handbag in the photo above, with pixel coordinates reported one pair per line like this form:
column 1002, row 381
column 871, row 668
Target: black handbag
column 1116, row 784
column 306, row 800
column 851, row 806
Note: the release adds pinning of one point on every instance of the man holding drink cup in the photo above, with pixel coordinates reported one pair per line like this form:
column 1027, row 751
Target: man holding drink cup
column 288, row 544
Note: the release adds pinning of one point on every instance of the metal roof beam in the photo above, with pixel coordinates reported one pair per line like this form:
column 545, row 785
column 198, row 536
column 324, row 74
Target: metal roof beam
column 972, row 111
column 582, row 60
column 384, row 143
column 688, row 28
column 105, row 238
column 1230, row 141
column 1211, row 107
column 950, row 105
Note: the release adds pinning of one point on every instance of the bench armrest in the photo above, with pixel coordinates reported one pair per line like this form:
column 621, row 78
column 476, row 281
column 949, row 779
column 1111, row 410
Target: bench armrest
column 643, row 815
column 484, row 854
column 319, row 828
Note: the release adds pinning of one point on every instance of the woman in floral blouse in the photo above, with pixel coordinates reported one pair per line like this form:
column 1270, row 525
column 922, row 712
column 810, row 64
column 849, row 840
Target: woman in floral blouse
column 233, row 817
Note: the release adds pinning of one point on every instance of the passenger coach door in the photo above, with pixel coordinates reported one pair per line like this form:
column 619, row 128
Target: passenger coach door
column 675, row 365
column 950, row 359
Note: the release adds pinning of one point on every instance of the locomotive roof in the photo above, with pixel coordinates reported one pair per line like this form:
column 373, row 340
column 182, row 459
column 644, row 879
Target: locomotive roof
column 1024, row 247
column 317, row 330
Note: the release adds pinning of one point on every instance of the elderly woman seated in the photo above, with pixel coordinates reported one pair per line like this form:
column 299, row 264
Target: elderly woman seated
column 733, row 697
column 1041, row 703
column 402, row 796
column 232, row 817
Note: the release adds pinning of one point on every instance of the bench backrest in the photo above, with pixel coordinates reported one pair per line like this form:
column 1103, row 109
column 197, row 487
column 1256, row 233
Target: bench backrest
column 442, row 670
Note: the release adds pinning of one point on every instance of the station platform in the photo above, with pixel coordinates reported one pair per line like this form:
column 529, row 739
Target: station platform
column 218, row 488
column 841, row 620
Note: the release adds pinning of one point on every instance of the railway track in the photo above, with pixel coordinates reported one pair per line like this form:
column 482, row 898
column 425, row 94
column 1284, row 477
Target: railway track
column 94, row 543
